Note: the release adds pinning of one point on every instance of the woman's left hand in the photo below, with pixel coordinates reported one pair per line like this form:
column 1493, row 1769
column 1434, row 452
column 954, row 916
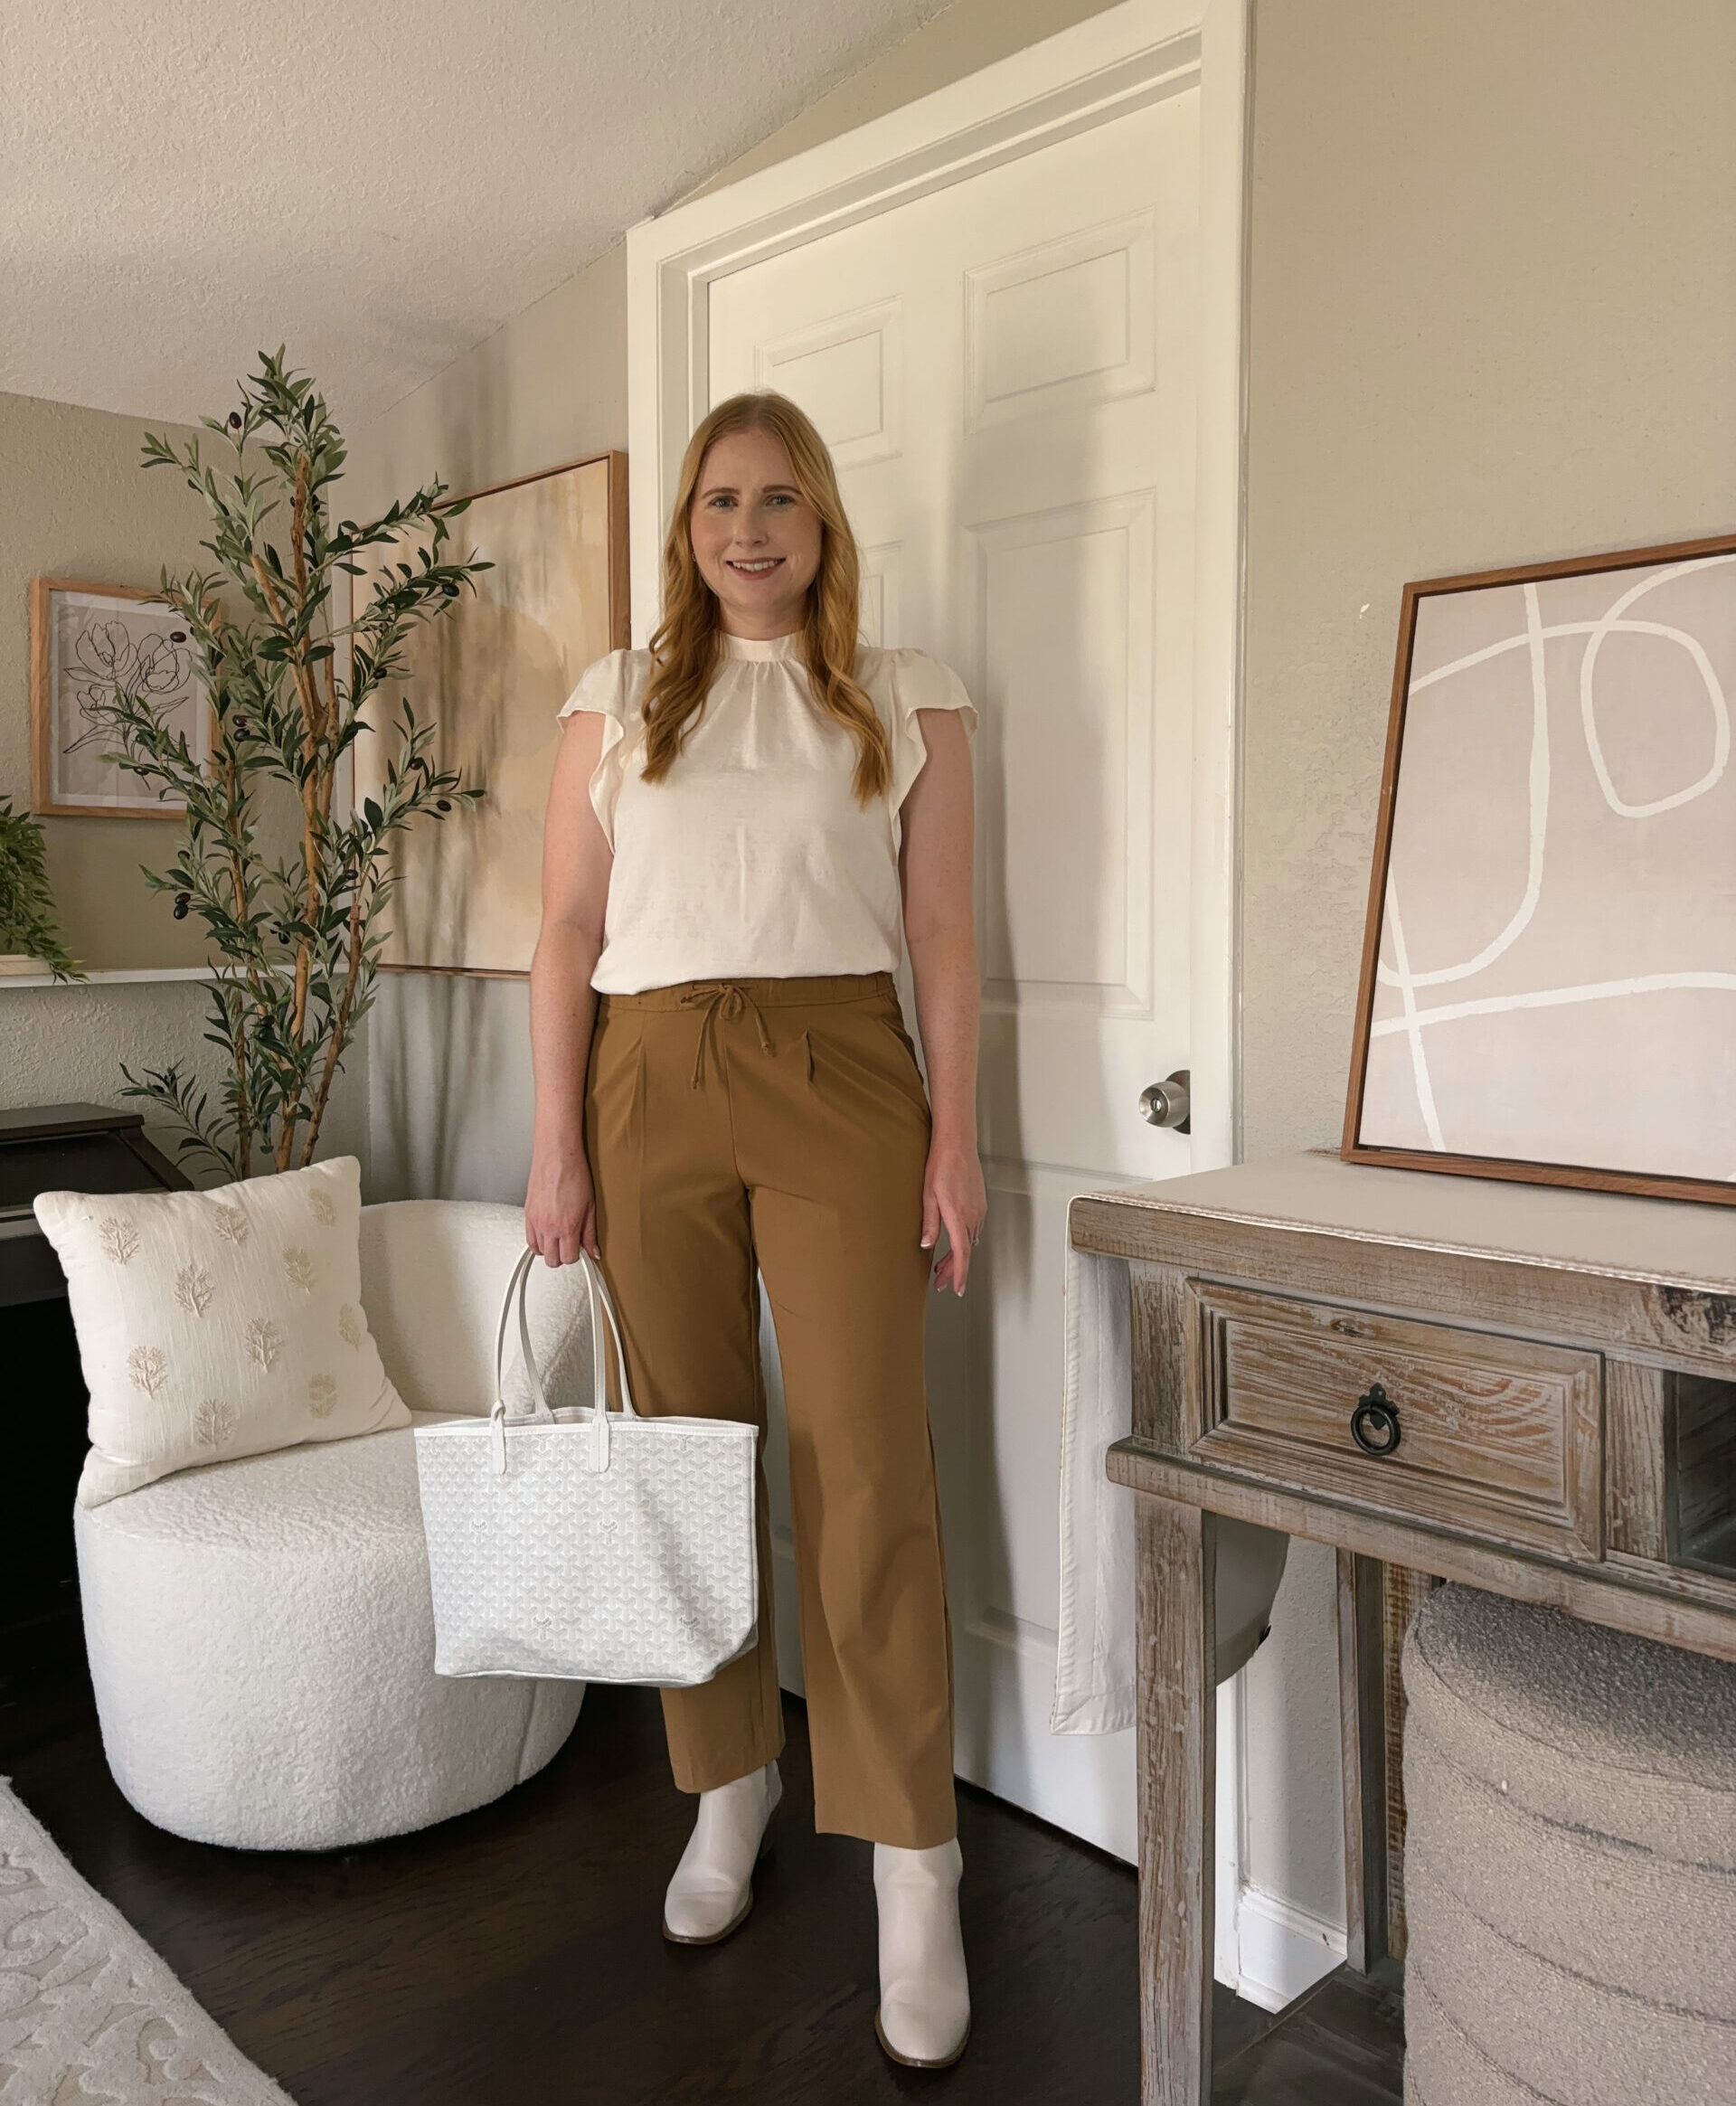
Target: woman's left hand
column 953, row 1194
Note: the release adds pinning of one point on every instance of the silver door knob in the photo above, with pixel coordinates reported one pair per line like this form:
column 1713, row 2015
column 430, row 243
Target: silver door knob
column 1165, row 1103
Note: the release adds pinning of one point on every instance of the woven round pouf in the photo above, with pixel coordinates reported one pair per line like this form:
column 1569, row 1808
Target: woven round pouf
column 1569, row 1863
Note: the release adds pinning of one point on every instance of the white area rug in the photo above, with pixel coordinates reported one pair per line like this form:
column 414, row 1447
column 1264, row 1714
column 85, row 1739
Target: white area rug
column 87, row 2011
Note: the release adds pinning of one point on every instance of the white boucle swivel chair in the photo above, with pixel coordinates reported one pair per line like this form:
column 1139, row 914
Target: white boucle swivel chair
column 261, row 1633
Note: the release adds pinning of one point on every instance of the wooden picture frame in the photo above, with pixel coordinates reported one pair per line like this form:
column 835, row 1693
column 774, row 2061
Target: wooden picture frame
column 134, row 641
column 1617, row 856
column 492, row 674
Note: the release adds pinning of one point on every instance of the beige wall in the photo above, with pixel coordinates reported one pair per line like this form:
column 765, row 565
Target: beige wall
column 1492, row 316
column 1493, row 319
column 78, row 503
column 75, row 502
column 549, row 387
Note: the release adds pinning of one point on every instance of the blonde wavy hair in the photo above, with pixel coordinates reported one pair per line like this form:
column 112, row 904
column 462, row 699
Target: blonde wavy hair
column 687, row 647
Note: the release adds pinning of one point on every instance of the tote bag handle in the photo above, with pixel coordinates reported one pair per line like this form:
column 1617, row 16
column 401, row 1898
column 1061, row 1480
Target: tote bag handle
column 597, row 1290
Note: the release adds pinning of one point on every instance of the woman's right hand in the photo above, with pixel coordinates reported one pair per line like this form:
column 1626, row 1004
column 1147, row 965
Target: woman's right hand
column 561, row 1205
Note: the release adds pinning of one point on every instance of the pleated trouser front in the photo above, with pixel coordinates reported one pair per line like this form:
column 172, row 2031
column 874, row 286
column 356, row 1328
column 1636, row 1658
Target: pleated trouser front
column 784, row 1122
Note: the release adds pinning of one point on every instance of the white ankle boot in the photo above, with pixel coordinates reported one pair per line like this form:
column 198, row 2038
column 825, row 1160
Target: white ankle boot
column 924, row 2015
column 713, row 1889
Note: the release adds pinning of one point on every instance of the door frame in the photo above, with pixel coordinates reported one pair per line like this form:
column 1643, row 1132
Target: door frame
column 1112, row 63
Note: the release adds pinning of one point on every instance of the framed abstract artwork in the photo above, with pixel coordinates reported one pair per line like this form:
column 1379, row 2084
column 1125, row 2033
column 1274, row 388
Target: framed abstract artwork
column 1549, row 969
column 85, row 641
column 492, row 674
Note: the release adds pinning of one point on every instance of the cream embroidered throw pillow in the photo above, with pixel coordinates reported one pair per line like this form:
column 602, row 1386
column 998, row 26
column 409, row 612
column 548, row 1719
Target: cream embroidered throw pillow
column 220, row 1323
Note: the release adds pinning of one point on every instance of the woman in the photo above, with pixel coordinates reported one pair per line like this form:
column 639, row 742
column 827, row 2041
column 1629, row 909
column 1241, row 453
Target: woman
column 741, row 820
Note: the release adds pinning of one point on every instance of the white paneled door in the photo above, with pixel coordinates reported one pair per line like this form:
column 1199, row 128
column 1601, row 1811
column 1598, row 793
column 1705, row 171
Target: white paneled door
column 1005, row 369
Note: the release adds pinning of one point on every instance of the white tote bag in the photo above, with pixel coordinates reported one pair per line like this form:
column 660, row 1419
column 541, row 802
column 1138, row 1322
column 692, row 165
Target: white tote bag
column 584, row 1544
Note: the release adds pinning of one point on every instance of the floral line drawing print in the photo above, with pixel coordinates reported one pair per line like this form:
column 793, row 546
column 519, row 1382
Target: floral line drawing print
column 119, row 1240
column 264, row 1341
column 300, row 1268
column 193, row 1290
column 97, row 649
column 231, row 1221
column 322, row 1395
column 214, row 1424
column 349, row 1326
column 148, row 1367
column 107, row 656
column 324, row 1212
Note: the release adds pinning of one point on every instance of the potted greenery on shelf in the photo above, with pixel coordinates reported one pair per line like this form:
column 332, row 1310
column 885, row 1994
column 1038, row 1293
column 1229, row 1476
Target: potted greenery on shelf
column 294, row 938
column 30, row 933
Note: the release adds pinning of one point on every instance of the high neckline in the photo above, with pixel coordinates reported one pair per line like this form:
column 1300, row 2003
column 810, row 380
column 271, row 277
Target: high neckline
column 785, row 647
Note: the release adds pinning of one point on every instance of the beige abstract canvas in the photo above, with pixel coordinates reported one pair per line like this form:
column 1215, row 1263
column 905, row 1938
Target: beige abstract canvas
column 492, row 673
column 1553, row 935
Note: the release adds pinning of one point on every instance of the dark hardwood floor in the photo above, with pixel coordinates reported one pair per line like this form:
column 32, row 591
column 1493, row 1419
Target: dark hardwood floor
column 514, row 1955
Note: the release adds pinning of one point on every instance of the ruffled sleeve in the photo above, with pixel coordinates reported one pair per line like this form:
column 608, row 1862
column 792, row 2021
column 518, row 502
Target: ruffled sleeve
column 610, row 689
column 919, row 682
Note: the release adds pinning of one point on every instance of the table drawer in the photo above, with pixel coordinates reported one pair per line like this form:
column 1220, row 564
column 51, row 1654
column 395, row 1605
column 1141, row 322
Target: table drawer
column 1500, row 1435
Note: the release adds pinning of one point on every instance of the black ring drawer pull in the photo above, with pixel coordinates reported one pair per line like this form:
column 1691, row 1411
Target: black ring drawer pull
column 1374, row 1423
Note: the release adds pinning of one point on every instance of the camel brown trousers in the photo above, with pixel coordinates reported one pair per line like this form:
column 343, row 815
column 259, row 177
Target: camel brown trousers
column 784, row 1123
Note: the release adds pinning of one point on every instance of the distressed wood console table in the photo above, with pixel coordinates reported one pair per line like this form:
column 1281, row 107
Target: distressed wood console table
column 1519, row 1387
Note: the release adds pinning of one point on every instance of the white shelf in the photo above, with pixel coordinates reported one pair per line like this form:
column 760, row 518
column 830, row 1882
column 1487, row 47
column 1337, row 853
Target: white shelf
column 111, row 980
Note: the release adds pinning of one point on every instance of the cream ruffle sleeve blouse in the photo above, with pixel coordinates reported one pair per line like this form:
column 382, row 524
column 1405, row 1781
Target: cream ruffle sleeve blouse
column 751, row 858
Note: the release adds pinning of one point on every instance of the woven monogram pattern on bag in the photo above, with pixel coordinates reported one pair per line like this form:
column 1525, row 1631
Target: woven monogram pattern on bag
column 644, row 1572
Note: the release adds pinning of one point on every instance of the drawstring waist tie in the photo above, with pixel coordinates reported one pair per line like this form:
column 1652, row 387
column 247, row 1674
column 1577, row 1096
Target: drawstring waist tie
column 731, row 998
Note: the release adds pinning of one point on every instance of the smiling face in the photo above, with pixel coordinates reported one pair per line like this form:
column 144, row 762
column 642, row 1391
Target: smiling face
column 756, row 538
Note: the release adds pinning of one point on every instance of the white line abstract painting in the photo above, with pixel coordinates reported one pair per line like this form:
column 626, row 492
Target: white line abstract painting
column 1556, row 979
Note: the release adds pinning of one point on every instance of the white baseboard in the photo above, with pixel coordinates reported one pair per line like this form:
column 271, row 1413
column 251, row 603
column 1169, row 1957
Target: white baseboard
column 1282, row 1950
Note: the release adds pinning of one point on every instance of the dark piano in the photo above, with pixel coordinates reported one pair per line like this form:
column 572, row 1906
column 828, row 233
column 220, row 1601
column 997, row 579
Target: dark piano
column 49, row 1147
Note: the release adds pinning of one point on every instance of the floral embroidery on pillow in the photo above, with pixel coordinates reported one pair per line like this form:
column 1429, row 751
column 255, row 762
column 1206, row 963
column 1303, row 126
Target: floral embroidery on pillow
column 193, row 1290
column 215, row 1323
column 264, row 1341
column 214, row 1424
column 148, row 1365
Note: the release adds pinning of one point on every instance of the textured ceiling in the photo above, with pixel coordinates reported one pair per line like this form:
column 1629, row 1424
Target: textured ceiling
column 379, row 188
